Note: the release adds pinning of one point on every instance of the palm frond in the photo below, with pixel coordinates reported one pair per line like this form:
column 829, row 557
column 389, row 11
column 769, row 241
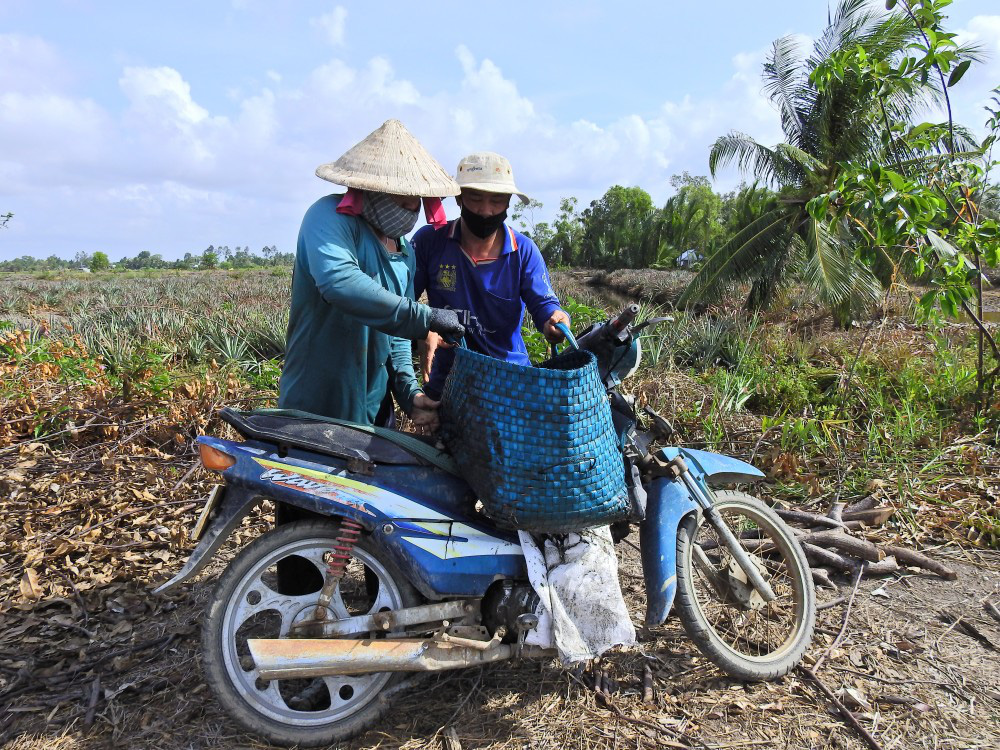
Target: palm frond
column 766, row 164
column 783, row 83
column 740, row 257
column 831, row 269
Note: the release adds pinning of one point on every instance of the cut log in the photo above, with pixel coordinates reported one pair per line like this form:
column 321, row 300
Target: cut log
column 872, row 517
column 825, row 557
column 807, row 519
column 920, row 560
column 844, row 543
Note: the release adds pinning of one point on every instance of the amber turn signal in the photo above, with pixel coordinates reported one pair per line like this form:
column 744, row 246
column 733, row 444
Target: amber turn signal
column 214, row 459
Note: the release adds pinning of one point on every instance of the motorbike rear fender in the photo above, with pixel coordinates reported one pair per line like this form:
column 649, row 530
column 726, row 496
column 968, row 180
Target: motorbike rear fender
column 233, row 507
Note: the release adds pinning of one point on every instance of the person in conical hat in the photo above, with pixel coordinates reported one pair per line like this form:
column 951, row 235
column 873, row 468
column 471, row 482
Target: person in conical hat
column 353, row 311
column 478, row 263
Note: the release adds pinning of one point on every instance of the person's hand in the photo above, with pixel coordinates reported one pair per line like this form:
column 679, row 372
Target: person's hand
column 424, row 414
column 553, row 334
column 446, row 323
column 427, row 348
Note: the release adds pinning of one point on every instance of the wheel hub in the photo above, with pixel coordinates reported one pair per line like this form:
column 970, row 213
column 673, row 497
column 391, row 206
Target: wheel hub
column 743, row 592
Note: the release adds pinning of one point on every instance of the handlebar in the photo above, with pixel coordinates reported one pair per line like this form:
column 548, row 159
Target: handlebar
column 625, row 318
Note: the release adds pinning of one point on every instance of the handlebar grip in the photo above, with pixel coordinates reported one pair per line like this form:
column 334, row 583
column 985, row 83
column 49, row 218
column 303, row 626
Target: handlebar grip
column 624, row 318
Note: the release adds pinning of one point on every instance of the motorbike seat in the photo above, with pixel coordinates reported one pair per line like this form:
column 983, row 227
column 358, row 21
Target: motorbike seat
column 337, row 438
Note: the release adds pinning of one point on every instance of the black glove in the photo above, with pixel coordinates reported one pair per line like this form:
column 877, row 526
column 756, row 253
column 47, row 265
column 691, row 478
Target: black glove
column 446, row 323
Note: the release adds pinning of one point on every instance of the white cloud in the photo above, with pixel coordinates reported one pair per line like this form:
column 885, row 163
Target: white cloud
column 172, row 174
column 332, row 25
column 30, row 65
column 161, row 93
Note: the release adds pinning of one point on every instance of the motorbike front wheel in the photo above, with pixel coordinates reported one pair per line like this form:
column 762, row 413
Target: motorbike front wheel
column 730, row 622
column 247, row 604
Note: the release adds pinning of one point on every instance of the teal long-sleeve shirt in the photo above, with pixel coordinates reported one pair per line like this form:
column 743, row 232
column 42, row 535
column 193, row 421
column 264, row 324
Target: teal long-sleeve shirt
column 351, row 320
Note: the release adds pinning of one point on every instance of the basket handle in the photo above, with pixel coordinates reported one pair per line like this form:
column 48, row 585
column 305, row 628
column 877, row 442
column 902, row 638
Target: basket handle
column 564, row 330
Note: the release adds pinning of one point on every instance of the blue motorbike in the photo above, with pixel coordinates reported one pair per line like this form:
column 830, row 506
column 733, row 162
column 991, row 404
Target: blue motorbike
column 391, row 569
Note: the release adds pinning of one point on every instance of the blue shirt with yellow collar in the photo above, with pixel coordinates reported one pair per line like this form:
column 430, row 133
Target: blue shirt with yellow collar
column 496, row 292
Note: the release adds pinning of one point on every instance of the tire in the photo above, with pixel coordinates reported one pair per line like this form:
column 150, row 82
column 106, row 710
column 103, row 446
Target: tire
column 775, row 635
column 246, row 604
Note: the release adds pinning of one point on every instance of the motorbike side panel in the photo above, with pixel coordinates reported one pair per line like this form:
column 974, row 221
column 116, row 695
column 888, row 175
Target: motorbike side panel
column 667, row 503
column 423, row 517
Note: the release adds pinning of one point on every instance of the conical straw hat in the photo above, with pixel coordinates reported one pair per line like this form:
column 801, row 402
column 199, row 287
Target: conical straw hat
column 390, row 160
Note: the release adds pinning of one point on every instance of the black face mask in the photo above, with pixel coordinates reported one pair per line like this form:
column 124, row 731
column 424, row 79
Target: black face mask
column 482, row 226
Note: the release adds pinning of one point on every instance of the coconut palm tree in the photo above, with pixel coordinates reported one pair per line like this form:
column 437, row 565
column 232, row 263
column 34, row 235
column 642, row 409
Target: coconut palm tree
column 821, row 129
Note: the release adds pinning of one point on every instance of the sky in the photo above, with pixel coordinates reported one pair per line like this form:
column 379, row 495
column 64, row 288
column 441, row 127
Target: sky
column 172, row 126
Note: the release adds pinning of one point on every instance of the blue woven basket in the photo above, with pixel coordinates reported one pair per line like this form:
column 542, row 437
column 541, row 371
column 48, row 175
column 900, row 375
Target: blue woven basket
column 535, row 443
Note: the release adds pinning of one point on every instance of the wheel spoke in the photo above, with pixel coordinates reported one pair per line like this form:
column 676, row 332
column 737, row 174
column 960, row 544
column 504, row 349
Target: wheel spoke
column 729, row 605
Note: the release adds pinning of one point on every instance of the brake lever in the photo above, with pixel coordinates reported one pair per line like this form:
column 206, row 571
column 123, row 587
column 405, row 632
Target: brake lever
column 652, row 322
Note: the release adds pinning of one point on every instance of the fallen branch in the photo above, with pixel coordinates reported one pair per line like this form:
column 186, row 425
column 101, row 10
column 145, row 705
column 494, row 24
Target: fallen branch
column 920, row 560
column 861, row 548
column 844, row 711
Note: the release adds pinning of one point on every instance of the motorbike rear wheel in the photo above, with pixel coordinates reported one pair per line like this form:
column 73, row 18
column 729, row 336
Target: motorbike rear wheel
column 247, row 604
column 746, row 637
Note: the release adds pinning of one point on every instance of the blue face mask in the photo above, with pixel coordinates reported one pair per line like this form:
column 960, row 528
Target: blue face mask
column 388, row 217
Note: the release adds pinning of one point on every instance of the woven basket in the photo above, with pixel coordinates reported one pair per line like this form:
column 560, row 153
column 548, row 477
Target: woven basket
column 535, row 443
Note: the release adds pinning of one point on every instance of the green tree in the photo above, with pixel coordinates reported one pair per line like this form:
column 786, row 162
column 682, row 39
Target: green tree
column 567, row 232
column 689, row 219
column 209, row 259
column 99, row 262
column 823, row 129
column 617, row 229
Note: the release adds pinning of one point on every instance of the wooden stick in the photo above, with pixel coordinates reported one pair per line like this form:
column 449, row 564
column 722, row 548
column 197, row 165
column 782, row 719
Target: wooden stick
column 843, row 623
column 851, row 719
column 866, row 503
column 872, row 517
column 647, row 684
column 807, row 519
column 830, row 559
column 822, row 578
column 95, row 692
column 920, row 560
column 851, row 545
column 882, row 567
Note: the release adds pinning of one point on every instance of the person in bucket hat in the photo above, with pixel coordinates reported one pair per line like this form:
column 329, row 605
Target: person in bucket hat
column 479, row 263
column 353, row 310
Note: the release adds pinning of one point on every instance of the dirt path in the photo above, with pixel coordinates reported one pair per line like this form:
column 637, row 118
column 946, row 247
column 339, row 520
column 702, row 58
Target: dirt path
column 920, row 680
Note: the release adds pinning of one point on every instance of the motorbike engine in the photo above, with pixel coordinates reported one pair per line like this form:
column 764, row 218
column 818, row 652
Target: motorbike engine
column 504, row 602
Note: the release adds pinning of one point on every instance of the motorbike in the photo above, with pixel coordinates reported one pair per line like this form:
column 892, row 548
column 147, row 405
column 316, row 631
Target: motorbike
column 392, row 571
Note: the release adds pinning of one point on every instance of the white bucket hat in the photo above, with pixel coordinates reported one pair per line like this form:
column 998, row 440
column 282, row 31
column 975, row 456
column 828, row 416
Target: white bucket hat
column 489, row 172
column 390, row 160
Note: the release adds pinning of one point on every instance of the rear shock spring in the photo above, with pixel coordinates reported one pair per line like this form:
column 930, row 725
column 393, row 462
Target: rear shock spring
column 343, row 545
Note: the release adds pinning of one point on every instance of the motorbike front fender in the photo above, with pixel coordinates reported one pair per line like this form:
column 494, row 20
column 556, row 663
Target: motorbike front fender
column 667, row 503
column 717, row 469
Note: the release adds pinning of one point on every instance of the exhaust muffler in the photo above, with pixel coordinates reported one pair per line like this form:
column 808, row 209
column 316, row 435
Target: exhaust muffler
column 290, row 658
